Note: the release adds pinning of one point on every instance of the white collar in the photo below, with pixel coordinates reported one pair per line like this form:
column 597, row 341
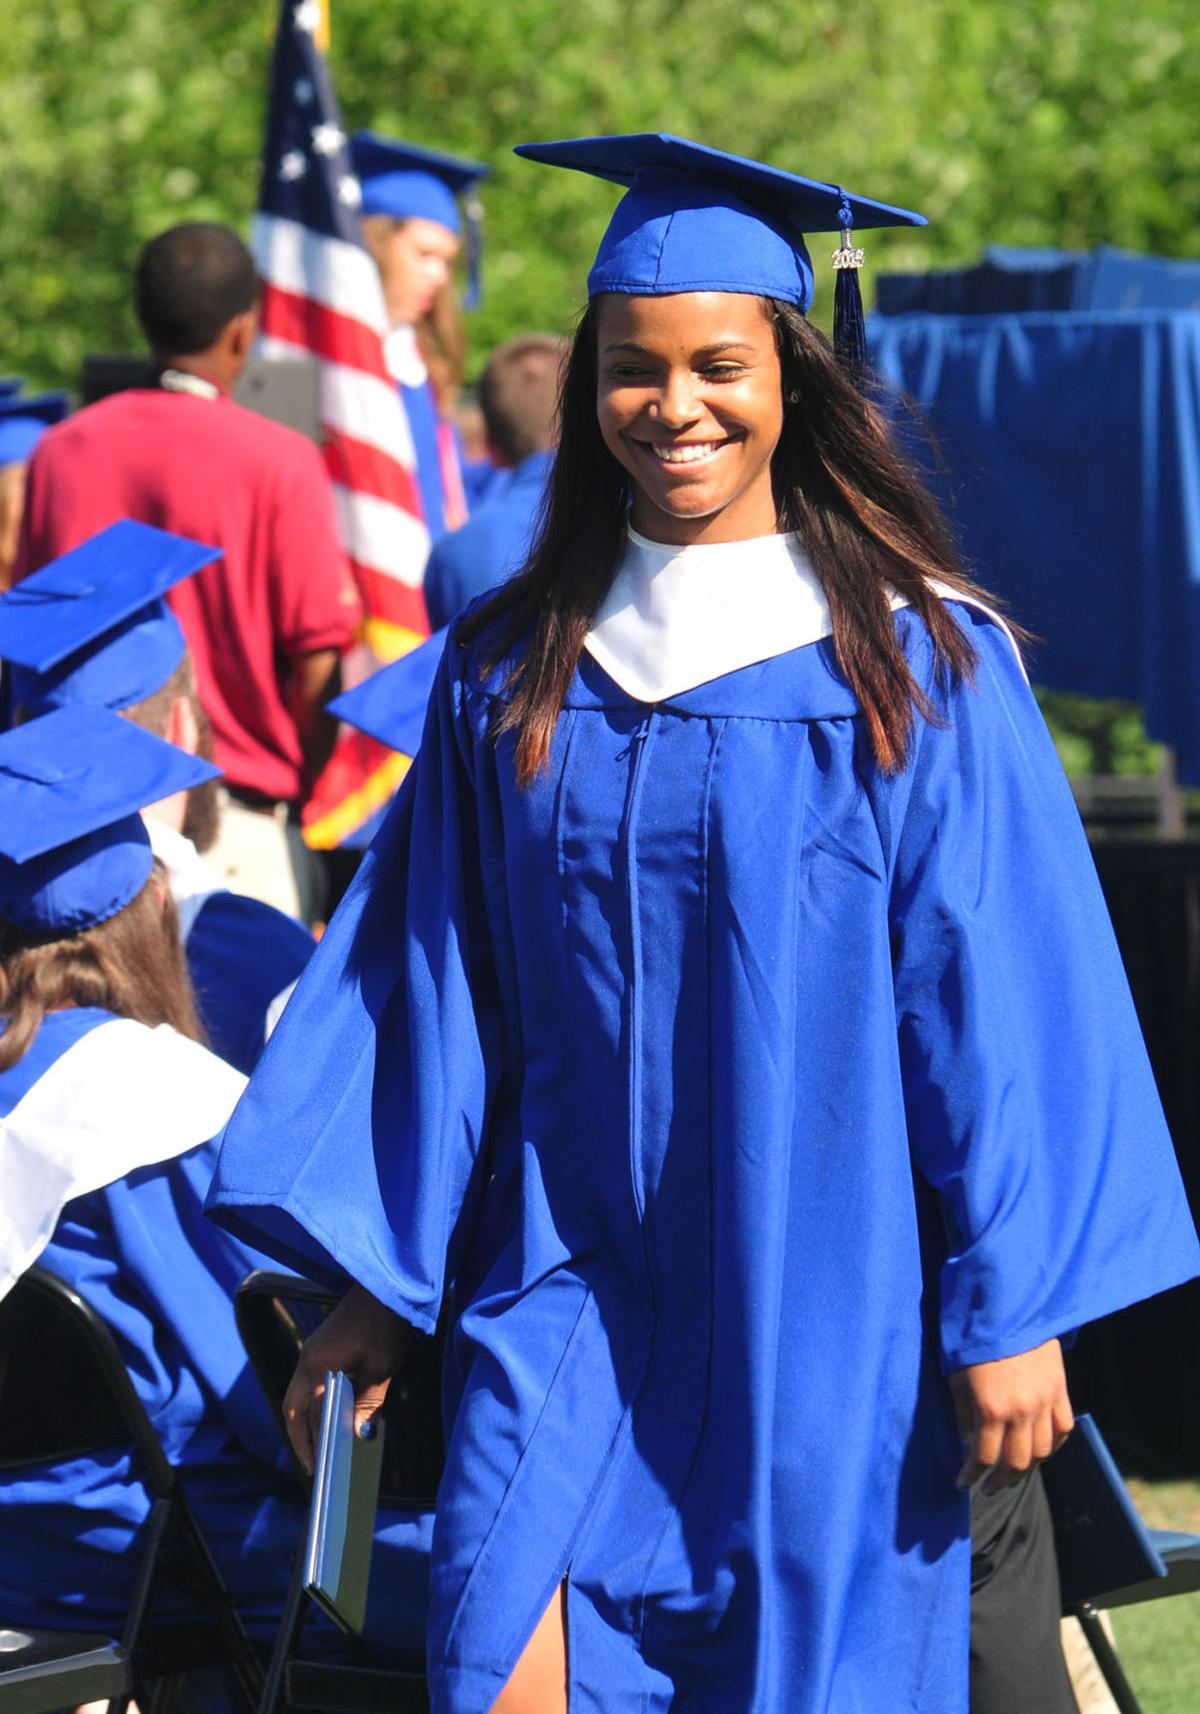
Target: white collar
column 403, row 357
column 189, row 877
column 77, row 1129
column 183, row 381
column 678, row 617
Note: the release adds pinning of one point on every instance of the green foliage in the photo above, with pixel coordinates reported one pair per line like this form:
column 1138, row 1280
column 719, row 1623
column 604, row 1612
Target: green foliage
column 1157, row 1642
column 1099, row 737
column 1064, row 122
column 1157, row 1646
column 1019, row 121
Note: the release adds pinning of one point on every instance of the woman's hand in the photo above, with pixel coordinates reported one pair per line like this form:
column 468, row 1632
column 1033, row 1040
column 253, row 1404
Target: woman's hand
column 364, row 1339
column 1011, row 1413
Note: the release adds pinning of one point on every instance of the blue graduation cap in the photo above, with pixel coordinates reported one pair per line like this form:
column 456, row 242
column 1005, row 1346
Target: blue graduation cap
column 696, row 219
column 391, row 704
column 408, row 182
column 24, row 419
column 92, row 626
column 73, row 848
column 10, row 384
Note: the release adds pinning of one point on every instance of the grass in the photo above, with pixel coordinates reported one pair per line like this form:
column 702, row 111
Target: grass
column 1159, row 1642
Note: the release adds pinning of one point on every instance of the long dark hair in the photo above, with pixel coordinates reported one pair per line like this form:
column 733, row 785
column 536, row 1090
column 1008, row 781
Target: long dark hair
column 133, row 964
column 861, row 512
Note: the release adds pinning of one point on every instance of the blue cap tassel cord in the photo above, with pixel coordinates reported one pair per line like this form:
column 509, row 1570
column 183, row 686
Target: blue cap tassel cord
column 473, row 213
column 849, row 326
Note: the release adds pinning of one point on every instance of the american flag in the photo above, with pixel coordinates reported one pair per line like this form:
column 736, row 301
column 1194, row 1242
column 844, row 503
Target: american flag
column 322, row 298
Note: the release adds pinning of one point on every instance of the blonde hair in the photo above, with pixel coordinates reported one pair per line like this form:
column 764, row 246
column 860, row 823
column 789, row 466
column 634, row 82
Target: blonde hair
column 442, row 341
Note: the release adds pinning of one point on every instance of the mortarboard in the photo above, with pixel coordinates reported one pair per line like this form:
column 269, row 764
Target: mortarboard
column 696, row 219
column 408, row 182
column 92, row 626
column 73, row 848
column 391, row 704
column 24, row 419
column 10, row 384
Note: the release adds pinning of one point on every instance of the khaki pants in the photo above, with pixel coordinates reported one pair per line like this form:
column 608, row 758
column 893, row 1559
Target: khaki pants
column 1087, row 1681
column 251, row 854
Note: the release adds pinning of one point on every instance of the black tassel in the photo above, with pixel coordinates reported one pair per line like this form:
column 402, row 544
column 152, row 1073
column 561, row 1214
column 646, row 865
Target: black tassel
column 849, row 326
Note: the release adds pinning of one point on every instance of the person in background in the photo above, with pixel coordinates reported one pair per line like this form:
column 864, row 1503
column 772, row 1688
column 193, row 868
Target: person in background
column 265, row 624
column 23, row 422
column 94, row 627
column 483, row 478
column 108, row 1104
column 414, row 229
column 518, row 395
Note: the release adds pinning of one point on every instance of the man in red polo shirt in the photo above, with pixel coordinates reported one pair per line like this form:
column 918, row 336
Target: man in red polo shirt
column 267, row 622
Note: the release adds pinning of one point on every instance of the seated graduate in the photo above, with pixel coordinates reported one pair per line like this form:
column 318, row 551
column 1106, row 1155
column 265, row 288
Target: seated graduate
column 108, row 1102
column 94, row 626
column 392, row 704
column 518, row 394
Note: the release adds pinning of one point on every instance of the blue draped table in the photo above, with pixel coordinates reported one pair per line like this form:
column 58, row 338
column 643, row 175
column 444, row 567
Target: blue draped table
column 1071, row 441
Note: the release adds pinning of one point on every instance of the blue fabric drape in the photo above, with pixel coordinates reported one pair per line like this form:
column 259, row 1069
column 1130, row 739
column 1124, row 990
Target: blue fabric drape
column 1072, row 447
column 1011, row 279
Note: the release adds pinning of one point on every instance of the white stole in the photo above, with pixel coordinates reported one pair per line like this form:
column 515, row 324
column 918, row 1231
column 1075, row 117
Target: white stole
column 678, row 617
column 124, row 1096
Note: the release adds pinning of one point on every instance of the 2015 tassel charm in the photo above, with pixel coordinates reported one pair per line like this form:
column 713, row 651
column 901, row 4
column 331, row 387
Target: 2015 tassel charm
column 849, row 326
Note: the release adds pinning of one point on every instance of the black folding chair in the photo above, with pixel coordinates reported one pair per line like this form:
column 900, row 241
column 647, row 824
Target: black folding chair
column 65, row 1392
column 275, row 1313
column 1107, row 1556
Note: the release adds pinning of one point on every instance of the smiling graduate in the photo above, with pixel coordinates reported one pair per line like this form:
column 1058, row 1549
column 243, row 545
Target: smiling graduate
column 728, row 1020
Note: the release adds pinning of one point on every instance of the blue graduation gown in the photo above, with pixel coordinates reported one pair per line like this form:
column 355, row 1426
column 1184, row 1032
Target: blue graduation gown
column 242, row 955
column 163, row 1278
column 739, row 1092
column 490, row 546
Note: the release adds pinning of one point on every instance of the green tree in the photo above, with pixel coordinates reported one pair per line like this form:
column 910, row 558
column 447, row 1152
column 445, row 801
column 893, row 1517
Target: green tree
column 1058, row 122
column 1019, row 121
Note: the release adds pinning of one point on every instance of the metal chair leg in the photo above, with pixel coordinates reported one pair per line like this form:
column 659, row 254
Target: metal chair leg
column 286, row 1637
column 1107, row 1659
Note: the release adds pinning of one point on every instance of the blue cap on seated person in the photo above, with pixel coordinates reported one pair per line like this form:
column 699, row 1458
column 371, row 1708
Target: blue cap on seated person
column 24, row 419
column 695, row 219
column 390, row 705
column 73, row 847
column 92, row 626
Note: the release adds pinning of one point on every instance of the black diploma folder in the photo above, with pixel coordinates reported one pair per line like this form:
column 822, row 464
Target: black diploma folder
column 341, row 1521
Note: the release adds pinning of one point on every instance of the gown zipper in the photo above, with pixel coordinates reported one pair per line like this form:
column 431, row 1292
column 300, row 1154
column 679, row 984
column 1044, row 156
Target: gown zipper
column 640, row 746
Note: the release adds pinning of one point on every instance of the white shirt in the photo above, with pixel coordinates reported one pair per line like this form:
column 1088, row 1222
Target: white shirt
column 189, row 877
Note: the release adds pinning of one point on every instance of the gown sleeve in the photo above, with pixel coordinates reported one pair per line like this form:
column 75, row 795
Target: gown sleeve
column 164, row 1280
column 359, row 1146
column 1031, row 1105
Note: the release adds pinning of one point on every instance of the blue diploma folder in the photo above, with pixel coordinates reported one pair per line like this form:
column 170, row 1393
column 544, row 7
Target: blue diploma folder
column 1102, row 1543
column 341, row 1522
